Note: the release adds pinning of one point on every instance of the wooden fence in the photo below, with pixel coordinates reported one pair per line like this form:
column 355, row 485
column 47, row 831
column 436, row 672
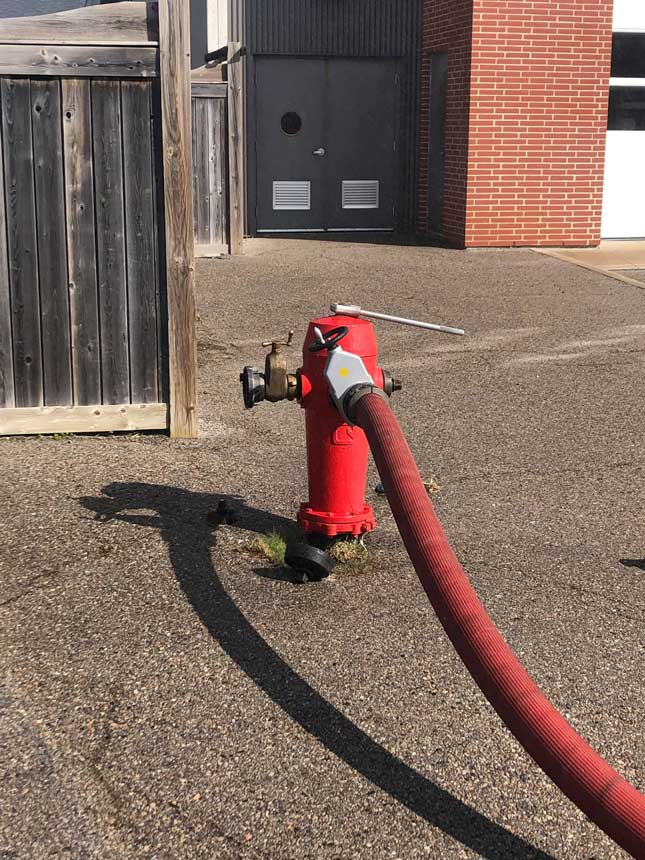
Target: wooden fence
column 210, row 165
column 96, row 246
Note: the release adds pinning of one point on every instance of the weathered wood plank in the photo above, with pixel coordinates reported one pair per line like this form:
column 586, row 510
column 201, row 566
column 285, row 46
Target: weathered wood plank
column 140, row 240
column 217, row 170
column 209, row 175
column 196, row 176
column 22, row 242
column 110, row 235
column 236, row 148
column 6, row 348
column 81, row 240
column 201, row 168
column 79, row 61
column 174, row 29
column 46, row 121
column 203, row 90
column 84, row 419
column 128, row 23
column 160, row 244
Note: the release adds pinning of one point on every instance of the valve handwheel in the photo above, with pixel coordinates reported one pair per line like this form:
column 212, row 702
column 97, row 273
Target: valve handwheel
column 330, row 339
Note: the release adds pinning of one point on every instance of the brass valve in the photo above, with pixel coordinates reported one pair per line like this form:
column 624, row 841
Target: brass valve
column 280, row 384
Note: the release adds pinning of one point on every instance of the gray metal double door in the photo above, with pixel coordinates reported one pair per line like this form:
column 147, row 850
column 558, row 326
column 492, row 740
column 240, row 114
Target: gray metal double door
column 326, row 151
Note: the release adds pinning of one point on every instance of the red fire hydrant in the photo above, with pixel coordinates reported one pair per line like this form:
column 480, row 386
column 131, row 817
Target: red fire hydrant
column 337, row 451
column 340, row 361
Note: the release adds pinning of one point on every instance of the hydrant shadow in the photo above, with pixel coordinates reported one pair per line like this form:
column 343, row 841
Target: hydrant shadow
column 181, row 517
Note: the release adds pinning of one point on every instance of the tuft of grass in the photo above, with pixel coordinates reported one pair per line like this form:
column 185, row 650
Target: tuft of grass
column 345, row 551
column 352, row 557
column 270, row 546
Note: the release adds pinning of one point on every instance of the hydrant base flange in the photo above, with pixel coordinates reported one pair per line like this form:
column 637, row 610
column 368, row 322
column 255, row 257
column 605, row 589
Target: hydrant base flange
column 332, row 524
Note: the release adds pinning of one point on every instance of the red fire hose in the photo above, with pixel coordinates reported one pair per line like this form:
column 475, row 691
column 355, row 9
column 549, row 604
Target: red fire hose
column 595, row 787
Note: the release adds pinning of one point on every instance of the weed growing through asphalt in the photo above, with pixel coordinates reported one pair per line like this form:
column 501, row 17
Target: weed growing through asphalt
column 352, row 557
column 271, row 546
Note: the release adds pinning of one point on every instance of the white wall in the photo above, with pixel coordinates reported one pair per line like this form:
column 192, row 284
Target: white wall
column 629, row 15
column 217, row 24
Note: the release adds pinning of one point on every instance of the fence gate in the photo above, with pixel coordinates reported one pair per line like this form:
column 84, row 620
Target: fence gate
column 96, row 246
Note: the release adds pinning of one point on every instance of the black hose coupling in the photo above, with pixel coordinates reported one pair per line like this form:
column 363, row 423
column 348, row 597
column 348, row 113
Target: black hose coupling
column 356, row 393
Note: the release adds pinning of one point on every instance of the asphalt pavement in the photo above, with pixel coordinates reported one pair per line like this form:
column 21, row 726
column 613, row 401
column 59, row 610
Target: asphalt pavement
column 165, row 695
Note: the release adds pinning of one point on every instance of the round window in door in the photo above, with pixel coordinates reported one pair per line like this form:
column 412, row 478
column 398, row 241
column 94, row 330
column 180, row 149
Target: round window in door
column 291, row 123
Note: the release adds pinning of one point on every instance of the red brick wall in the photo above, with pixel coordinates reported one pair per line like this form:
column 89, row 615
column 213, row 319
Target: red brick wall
column 536, row 124
column 447, row 29
column 538, row 121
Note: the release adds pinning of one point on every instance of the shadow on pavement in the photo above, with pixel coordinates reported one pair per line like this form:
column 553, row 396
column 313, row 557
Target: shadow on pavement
column 360, row 237
column 633, row 562
column 181, row 517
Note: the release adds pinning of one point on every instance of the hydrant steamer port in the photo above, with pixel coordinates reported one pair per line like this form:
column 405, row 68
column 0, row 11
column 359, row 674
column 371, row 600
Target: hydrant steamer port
column 340, row 359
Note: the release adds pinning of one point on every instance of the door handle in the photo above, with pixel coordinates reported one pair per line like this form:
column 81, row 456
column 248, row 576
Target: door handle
column 319, row 152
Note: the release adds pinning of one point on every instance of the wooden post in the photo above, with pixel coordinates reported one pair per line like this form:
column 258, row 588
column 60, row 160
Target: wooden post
column 174, row 30
column 235, row 147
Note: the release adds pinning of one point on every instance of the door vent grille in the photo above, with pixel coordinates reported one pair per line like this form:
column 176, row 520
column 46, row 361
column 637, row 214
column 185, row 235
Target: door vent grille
column 360, row 194
column 292, row 196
